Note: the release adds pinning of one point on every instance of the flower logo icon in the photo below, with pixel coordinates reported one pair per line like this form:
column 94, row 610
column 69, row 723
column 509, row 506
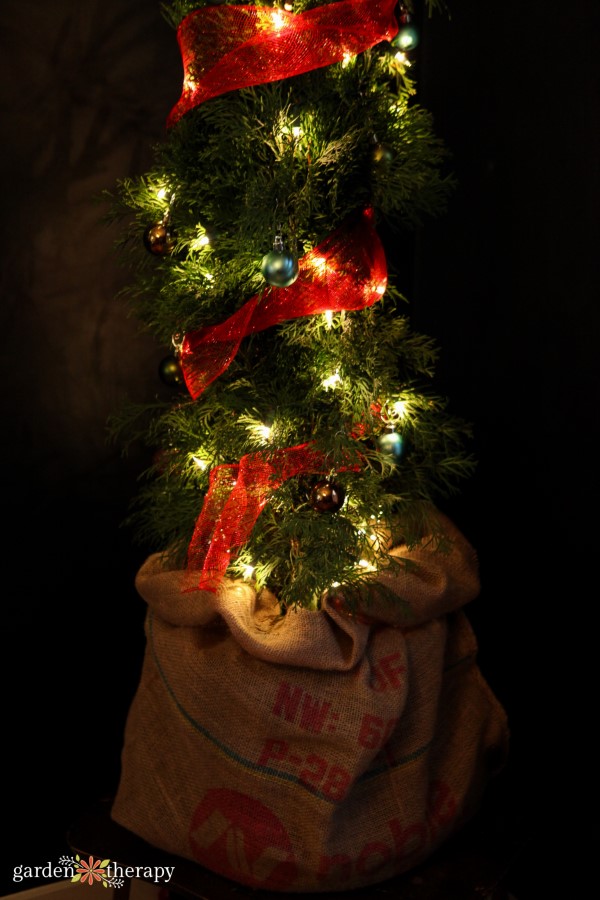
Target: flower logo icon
column 91, row 871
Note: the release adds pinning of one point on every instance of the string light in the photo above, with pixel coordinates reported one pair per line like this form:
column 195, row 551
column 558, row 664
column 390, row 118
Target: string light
column 328, row 318
column 201, row 463
column 198, row 243
column 402, row 59
column 278, row 19
column 331, row 382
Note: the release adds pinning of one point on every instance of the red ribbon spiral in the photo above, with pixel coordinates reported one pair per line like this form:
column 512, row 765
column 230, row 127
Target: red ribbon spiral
column 236, row 496
column 347, row 271
column 225, row 48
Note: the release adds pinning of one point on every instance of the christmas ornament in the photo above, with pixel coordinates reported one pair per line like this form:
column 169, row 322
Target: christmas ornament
column 408, row 34
column 327, row 496
column 382, row 154
column 279, row 267
column 159, row 239
column 170, row 371
column 392, row 443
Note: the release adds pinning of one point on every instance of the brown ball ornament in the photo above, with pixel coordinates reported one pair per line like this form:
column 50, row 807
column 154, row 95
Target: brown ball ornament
column 327, row 496
column 170, row 372
column 159, row 239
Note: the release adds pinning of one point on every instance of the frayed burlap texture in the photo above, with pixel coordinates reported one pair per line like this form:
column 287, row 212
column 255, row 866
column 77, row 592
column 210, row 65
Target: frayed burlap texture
column 314, row 751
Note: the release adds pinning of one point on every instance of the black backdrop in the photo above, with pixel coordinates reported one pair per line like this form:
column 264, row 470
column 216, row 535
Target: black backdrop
column 506, row 281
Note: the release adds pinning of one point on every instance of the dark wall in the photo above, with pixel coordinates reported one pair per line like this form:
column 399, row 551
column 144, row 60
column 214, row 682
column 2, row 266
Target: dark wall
column 85, row 90
column 506, row 281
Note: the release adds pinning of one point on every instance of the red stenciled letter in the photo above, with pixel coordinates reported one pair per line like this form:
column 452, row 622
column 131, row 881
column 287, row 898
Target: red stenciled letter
column 287, row 701
column 273, row 749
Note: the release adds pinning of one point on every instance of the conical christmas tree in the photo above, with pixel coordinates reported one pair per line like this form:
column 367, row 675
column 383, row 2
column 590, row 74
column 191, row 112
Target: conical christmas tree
column 310, row 714
column 272, row 242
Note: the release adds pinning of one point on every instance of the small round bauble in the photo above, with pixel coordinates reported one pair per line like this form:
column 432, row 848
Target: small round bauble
column 392, row 444
column 170, row 372
column 382, row 154
column 279, row 268
column 159, row 239
column 327, row 496
column 407, row 38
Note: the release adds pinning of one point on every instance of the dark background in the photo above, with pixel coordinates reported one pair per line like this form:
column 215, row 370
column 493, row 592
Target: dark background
column 506, row 281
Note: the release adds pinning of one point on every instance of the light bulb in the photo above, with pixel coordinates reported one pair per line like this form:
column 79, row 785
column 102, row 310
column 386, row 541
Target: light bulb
column 331, row 382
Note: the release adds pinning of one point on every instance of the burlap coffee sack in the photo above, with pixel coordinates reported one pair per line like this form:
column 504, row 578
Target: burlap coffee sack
column 313, row 751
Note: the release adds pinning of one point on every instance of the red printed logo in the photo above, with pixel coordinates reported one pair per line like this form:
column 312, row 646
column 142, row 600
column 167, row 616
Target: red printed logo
column 238, row 837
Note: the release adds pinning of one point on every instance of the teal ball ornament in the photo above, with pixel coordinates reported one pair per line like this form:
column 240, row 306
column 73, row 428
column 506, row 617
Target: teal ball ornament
column 392, row 444
column 408, row 37
column 279, row 268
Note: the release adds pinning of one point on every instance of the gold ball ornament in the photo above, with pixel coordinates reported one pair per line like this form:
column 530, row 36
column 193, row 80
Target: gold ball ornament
column 159, row 239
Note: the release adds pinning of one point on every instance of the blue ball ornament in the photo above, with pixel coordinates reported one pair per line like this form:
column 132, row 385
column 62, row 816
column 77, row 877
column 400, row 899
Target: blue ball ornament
column 392, row 444
column 279, row 268
column 407, row 38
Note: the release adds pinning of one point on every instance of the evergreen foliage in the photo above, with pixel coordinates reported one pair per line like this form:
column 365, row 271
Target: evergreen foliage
column 296, row 155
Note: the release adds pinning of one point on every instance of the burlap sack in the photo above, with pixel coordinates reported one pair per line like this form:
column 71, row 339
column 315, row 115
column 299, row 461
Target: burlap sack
column 309, row 752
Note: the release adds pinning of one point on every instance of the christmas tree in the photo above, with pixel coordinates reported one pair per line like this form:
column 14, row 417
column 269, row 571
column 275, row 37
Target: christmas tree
column 271, row 245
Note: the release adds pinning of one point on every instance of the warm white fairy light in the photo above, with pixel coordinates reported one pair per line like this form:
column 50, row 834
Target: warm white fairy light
column 161, row 193
column 403, row 59
column 265, row 431
column 248, row 571
column 277, row 18
column 331, row 382
column 318, row 262
column 346, row 59
column 328, row 317
column 400, row 408
column 201, row 463
column 365, row 564
column 199, row 242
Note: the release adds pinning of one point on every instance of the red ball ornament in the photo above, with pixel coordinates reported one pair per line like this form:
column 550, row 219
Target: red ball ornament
column 327, row 496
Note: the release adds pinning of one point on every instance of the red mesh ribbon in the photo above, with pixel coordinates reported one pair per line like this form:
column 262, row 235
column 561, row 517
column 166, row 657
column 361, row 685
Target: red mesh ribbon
column 236, row 496
column 347, row 271
column 224, row 48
